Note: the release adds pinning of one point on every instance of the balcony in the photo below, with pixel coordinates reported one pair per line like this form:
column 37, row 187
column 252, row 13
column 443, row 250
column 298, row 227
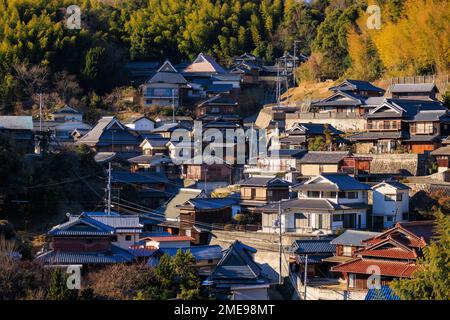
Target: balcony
column 386, row 126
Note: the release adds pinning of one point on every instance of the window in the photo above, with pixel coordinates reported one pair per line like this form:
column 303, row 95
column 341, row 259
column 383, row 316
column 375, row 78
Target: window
column 329, row 195
column 399, row 197
column 127, row 237
column 352, row 195
column 342, row 195
column 390, row 197
column 337, row 217
column 347, row 251
column 313, row 194
column 389, row 219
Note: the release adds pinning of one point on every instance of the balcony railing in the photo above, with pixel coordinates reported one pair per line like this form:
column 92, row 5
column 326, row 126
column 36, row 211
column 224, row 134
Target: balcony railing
column 383, row 126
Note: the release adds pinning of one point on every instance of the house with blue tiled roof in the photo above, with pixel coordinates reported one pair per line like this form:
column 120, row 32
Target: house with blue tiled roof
column 84, row 240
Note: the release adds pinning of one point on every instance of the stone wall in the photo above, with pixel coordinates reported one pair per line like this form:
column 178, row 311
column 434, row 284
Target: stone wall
column 343, row 122
column 407, row 163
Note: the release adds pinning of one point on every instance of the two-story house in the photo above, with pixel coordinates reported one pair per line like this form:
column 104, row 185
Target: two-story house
column 349, row 97
column 298, row 135
column 220, row 105
column 326, row 203
column 390, row 204
column 140, row 123
column 258, row 191
column 198, row 215
column 392, row 254
column 403, row 125
column 165, row 88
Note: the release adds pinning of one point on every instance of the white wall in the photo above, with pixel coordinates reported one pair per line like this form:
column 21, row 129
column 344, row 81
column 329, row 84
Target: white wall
column 390, row 208
column 124, row 244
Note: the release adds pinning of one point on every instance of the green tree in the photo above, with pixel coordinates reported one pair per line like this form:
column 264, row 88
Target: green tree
column 432, row 280
column 165, row 272
column 58, row 288
column 93, row 69
column 183, row 263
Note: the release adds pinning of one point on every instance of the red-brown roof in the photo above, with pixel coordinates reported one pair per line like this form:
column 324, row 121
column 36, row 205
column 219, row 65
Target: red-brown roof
column 387, row 268
column 396, row 253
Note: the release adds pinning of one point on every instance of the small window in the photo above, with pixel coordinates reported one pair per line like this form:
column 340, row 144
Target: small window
column 337, row 217
column 390, row 197
column 313, row 194
column 389, row 219
column 399, row 197
column 127, row 238
column 342, row 195
column 352, row 195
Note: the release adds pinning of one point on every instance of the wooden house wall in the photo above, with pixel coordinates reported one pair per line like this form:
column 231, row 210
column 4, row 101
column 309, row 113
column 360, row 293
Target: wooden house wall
column 84, row 244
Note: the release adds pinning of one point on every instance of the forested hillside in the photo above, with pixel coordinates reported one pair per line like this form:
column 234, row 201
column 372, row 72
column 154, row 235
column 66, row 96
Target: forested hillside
column 414, row 39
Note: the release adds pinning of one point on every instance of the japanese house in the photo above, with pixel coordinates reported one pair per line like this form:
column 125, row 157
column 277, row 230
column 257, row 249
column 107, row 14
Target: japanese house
column 311, row 253
column 197, row 216
column 109, row 135
column 298, row 135
column 237, row 276
column 258, row 191
column 326, row 203
column 83, row 241
column 416, row 91
column 165, row 88
column 391, row 204
column 393, row 253
column 19, row 132
column 416, row 126
column 352, row 97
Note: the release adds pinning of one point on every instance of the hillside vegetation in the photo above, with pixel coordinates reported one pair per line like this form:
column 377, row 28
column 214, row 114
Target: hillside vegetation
column 39, row 54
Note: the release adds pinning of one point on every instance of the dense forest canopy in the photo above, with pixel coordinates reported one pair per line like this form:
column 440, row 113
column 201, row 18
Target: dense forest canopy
column 414, row 38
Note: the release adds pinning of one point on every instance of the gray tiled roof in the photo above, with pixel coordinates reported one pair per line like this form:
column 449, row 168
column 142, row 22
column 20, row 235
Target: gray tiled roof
column 313, row 246
column 395, row 184
column 349, row 84
column 83, row 225
column 376, row 135
column 345, row 182
column 412, row 87
column 137, row 178
column 353, row 238
column 116, row 255
column 323, row 157
column 210, row 203
column 238, row 266
column 199, row 252
column 265, row 181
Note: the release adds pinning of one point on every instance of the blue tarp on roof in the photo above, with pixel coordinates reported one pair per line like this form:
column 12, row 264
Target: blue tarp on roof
column 384, row 293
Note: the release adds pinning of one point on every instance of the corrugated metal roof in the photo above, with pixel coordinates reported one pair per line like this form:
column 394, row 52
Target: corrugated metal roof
column 16, row 122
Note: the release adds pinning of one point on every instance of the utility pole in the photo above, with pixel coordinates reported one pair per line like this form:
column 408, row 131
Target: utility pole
column 278, row 84
column 286, row 78
column 294, row 73
column 306, row 274
column 40, row 113
column 173, row 105
column 280, row 244
column 108, row 190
